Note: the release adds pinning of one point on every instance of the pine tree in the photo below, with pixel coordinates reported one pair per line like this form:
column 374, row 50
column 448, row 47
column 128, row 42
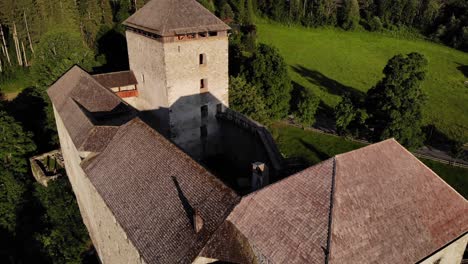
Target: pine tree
column 350, row 16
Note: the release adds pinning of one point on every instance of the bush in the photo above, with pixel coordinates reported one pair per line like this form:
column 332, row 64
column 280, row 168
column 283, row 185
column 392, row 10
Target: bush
column 307, row 107
column 375, row 24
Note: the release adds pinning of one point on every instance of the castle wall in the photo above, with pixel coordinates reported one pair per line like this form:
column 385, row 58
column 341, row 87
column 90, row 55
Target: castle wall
column 184, row 74
column 242, row 148
column 146, row 59
column 108, row 237
column 453, row 253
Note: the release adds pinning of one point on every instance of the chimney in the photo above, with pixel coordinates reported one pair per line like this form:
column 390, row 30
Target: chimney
column 197, row 221
column 260, row 177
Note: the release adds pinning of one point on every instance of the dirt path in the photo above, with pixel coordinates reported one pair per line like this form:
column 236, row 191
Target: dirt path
column 11, row 96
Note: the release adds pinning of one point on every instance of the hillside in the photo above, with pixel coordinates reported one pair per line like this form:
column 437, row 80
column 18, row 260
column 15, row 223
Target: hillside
column 332, row 62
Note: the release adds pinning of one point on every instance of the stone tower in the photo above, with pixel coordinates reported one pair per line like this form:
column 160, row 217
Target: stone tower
column 178, row 51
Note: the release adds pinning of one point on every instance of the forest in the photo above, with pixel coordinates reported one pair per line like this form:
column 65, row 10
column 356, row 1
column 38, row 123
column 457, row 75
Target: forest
column 41, row 39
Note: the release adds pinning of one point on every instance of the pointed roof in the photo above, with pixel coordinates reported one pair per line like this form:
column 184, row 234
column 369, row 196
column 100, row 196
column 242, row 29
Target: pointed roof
column 378, row 204
column 172, row 17
column 81, row 103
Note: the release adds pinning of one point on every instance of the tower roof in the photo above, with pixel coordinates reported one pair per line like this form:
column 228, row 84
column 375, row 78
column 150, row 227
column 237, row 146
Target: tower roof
column 172, row 17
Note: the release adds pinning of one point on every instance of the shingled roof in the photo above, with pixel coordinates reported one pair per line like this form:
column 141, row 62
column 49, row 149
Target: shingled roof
column 386, row 207
column 116, row 79
column 172, row 17
column 153, row 190
column 81, row 103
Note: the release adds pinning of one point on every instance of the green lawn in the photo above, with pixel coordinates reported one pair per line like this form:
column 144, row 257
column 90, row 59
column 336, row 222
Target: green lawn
column 331, row 62
column 315, row 147
column 12, row 87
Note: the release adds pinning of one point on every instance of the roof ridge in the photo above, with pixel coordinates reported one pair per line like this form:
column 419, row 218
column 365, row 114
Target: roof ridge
column 330, row 215
column 433, row 172
column 370, row 145
column 108, row 73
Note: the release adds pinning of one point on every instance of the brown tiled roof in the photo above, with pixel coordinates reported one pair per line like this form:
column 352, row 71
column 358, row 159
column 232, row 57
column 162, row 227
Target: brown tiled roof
column 288, row 221
column 390, row 208
column 228, row 245
column 172, row 17
column 116, row 79
column 387, row 207
column 81, row 103
column 153, row 189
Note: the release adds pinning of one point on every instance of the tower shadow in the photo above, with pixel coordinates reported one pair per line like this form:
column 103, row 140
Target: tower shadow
column 326, row 83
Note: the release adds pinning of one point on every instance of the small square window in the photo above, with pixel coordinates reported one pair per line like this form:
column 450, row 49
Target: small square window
column 213, row 33
column 204, row 111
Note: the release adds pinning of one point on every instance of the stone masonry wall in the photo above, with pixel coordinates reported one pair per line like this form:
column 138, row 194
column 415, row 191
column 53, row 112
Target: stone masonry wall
column 184, row 74
column 107, row 235
column 146, row 59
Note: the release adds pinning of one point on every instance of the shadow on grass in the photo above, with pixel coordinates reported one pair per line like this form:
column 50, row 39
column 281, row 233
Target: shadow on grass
column 324, row 82
column 321, row 155
column 324, row 117
column 463, row 69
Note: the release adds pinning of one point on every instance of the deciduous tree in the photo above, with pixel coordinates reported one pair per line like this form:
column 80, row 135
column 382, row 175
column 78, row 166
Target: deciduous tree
column 246, row 99
column 268, row 71
column 395, row 103
column 307, row 107
column 57, row 52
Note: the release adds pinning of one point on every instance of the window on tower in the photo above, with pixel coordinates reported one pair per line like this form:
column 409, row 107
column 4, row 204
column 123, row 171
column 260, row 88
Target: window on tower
column 204, row 111
column 203, row 85
column 202, row 59
column 203, row 131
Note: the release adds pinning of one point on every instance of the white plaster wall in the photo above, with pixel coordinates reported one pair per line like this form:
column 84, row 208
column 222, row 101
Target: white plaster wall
column 184, row 73
column 451, row 254
column 107, row 235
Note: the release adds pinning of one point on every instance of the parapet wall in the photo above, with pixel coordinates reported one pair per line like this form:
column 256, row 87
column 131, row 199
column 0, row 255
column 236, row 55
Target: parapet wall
column 245, row 141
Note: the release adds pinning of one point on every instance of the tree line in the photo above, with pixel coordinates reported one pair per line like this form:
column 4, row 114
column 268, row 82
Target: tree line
column 443, row 21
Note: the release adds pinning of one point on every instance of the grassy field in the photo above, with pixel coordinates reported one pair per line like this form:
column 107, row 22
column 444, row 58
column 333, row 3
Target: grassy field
column 332, row 62
column 315, row 147
column 13, row 87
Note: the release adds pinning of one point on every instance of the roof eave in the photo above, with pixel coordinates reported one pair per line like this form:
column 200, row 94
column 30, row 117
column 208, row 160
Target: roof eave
column 175, row 32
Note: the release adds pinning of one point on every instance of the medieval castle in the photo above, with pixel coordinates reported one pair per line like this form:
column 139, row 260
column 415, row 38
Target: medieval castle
column 154, row 155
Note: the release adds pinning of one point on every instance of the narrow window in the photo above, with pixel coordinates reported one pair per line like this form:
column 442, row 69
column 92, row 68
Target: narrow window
column 219, row 108
column 203, row 84
column 202, row 59
column 204, row 111
column 213, row 33
column 203, row 131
